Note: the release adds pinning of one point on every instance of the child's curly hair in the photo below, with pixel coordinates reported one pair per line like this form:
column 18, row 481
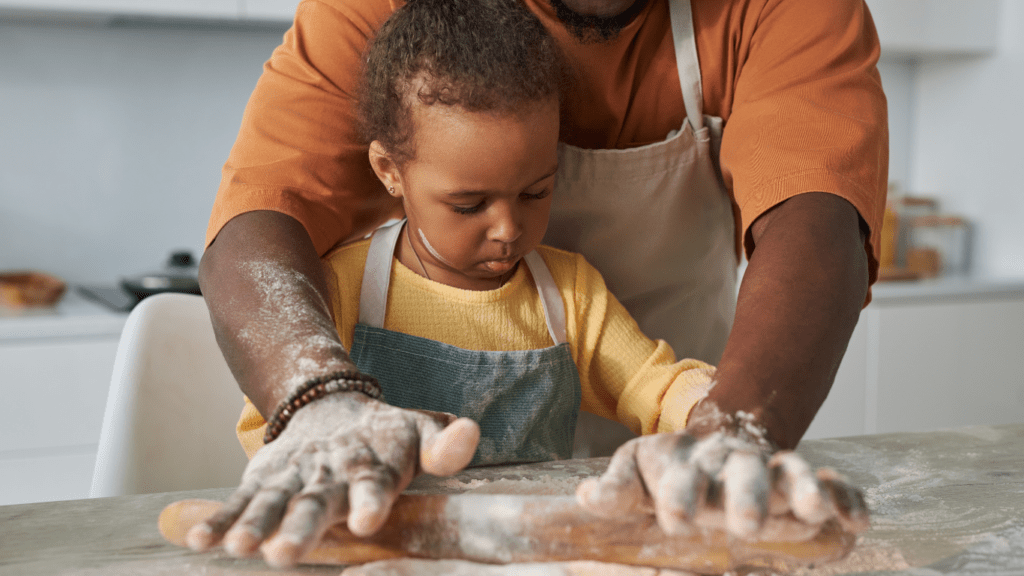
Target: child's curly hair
column 479, row 55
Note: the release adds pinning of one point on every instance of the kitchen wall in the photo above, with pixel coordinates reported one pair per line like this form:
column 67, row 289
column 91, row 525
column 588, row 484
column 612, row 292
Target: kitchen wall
column 968, row 126
column 112, row 138
column 897, row 81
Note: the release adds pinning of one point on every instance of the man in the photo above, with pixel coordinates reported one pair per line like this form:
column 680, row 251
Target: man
column 688, row 131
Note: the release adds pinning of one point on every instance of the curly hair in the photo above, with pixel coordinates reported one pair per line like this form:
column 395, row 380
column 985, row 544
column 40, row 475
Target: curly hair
column 479, row 55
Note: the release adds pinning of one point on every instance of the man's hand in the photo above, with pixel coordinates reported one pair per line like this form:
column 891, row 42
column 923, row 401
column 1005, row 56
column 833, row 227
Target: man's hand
column 731, row 479
column 344, row 457
column 799, row 302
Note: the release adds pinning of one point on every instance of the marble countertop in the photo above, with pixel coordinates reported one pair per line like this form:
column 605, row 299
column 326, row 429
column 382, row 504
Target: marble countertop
column 943, row 502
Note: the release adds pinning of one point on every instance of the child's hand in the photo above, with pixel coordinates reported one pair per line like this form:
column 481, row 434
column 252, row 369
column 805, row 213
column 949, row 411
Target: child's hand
column 726, row 480
column 342, row 458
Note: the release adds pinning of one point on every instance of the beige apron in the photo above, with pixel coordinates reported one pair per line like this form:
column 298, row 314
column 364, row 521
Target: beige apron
column 657, row 222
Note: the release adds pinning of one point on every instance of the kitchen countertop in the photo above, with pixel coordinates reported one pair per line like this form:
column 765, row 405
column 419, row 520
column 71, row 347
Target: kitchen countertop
column 74, row 316
column 953, row 288
column 943, row 502
column 78, row 316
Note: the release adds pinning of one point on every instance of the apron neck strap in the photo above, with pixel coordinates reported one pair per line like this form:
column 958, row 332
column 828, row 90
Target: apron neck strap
column 373, row 297
column 681, row 15
column 550, row 299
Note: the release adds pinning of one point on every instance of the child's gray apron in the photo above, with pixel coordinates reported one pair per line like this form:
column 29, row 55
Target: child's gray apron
column 657, row 221
column 525, row 401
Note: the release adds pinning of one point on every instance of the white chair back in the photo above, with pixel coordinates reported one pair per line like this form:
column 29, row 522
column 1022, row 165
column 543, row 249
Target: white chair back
column 172, row 405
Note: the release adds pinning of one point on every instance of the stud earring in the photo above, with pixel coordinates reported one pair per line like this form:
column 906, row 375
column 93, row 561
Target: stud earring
column 391, row 190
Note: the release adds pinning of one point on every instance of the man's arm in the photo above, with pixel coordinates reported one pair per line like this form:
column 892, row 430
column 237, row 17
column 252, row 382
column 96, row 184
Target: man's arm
column 342, row 457
column 799, row 302
column 268, row 299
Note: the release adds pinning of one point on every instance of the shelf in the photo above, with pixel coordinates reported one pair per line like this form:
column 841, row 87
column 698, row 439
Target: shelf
column 73, row 9
column 282, row 11
column 105, row 11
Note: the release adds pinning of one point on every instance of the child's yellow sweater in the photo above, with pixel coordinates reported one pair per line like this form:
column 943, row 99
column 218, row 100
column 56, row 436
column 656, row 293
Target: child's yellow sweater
column 625, row 376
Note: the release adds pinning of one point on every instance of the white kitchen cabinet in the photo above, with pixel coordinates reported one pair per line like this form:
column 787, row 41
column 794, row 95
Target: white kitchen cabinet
column 950, row 364
column 928, row 356
column 214, row 9
column 46, row 477
column 843, row 413
column 54, row 392
column 922, row 28
column 55, row 370
column 273, row 10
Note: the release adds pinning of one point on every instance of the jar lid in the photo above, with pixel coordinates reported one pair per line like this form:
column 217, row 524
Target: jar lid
column 935, row 221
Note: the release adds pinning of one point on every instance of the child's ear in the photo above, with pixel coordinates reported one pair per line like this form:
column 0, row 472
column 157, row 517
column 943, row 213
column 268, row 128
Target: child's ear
column 386, row 169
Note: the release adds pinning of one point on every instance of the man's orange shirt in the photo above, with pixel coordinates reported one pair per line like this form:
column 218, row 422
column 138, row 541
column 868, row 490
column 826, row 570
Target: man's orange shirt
column 794, row 80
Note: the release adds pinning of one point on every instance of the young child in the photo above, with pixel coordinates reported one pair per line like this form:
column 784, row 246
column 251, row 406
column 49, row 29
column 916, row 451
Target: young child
column 459, row 308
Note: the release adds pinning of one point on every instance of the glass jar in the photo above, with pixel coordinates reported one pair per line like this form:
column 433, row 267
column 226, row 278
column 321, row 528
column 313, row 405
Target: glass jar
column 939, row 246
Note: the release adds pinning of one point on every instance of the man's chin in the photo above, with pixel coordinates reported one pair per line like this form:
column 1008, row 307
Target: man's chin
column 592, row 29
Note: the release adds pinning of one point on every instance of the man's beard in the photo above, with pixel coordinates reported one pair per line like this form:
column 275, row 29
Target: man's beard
column 593, row 29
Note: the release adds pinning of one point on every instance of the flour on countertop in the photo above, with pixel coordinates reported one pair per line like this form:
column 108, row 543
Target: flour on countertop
column 987, row 433
column 999, row 553
column 917, row 519
column 564, row 486
column 544, row 487
column 410, row 567
column 554, row 478
column 866, row 556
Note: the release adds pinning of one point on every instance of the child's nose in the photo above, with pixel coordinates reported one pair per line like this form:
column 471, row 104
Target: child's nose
column 506, row 226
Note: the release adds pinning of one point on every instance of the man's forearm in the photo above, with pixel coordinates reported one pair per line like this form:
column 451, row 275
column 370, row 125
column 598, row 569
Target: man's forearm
column 269, row 303
column 799, row 302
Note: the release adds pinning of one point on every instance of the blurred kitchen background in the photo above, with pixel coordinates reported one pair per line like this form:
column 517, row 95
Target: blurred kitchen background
column 117, row 115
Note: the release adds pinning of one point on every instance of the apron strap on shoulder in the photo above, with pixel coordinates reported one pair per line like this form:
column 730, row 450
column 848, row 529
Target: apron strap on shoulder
column 550, row 298
column 373, row 297
column 687, row 63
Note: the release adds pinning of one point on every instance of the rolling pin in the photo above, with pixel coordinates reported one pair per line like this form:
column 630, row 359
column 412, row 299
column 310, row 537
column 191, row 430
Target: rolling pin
column 502, row 529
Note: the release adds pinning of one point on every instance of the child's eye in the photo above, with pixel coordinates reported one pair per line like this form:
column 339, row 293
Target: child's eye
column 537, row 196
column 468, row 209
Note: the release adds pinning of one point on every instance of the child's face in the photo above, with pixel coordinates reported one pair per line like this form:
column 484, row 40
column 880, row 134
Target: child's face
column 478, row 192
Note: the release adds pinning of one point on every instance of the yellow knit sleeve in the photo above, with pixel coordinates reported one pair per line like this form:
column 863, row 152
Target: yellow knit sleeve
column 250, row 429
column 625, row 375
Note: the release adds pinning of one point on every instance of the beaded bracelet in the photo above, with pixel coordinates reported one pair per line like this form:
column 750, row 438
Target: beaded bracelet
column 344, row 381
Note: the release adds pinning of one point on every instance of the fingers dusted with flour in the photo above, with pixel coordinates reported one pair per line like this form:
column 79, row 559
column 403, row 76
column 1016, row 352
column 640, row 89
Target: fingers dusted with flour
column 797, row 489
column 620, row 490
column 344, row 458
column 729, row 479
column 262, row 514
column 305, row 523
column 849, row 502
column 745, row 493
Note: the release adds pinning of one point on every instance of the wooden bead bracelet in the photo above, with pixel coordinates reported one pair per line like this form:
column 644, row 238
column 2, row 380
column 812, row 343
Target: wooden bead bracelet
column 344, row 381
